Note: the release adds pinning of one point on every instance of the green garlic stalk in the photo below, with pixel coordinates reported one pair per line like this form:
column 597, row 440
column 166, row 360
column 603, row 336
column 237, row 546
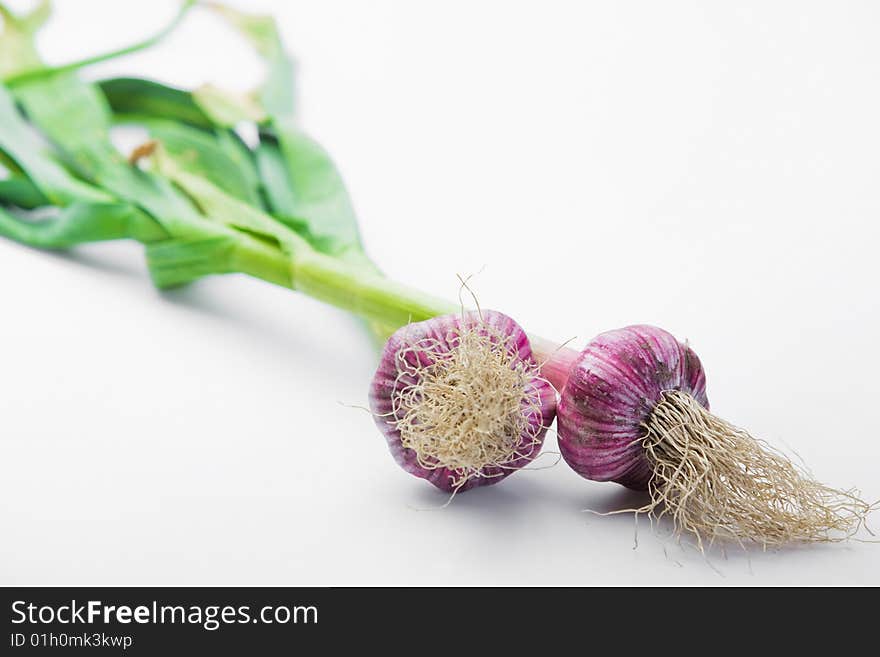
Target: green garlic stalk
column 190, row 226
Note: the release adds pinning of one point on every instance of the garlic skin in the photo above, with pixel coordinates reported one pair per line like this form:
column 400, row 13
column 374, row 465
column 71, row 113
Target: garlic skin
column 612, row 389
column 396, row 372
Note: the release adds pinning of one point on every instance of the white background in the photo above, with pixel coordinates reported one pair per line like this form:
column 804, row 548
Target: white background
column 707, row 168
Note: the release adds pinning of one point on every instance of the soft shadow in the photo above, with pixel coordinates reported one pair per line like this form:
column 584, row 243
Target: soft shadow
column 749, row 554
column 107, row 261
column 258, row 321
column 499, row 507
column 493, row 498
column 616, row 498
column 722, row 557
column 262, row 322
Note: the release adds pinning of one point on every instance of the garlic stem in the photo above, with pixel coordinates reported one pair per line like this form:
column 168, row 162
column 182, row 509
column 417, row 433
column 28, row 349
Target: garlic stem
column 365, row 293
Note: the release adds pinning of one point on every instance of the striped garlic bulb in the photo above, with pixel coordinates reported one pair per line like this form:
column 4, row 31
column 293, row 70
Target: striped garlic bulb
column 611, row 391
column 634, row 410
column 460, row 399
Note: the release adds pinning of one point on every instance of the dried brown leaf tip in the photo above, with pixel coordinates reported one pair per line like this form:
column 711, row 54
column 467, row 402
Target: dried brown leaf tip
column 145, row 150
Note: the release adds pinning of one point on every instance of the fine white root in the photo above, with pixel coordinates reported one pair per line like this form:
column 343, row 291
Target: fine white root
column 473, row 407
column 717, row 482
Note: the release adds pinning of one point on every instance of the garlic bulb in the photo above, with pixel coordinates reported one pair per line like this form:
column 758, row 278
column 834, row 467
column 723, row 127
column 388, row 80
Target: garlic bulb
column 460, row 399
column 614, row 385
column 634, row 411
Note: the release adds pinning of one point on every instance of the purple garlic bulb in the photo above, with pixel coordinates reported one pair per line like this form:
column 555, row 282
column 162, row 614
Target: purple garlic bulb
column 634, row 411
column 612, row 390
column 461, row 400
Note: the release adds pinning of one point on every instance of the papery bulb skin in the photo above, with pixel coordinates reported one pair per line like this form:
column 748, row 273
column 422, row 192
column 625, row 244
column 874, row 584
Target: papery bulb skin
column 422, row 360
column 612, row 389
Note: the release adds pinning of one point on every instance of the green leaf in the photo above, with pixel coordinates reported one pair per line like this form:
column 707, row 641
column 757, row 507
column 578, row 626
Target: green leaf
column 20, row 191
column 17, row 51
column 78, row 116
column 97, row 160
column 219, row 156
column 25, row 65
column 304, row 191
column 38, row 16
column 219, row 206
column 75, row 117
column 319, row 193
column 277, row 93
column 29, row 152
column 137, row 96
column 188, row 134
column 321, row 206
column 226, row 108
column 78, row 223
column 206, row 107
column 277, row 192
column 194, row 138
column 302, row 185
